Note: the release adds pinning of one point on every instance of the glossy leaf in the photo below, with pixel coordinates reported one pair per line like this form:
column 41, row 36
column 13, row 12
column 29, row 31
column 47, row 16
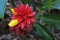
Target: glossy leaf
column 45, row 33
column 2, row 8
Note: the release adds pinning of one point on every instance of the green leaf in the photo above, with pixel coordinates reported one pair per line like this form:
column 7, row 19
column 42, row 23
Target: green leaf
column 51, row 19
column 56, row 4
column 2, row 8
column 45, row 33
column 51, row 4
column 47, row 4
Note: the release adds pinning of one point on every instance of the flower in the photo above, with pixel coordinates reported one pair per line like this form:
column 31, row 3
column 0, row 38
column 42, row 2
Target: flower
column 22, row 19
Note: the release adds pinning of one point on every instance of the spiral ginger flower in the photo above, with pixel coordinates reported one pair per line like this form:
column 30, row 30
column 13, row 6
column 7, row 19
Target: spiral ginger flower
column 22, row 19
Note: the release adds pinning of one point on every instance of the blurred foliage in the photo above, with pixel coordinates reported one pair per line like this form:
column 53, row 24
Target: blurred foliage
column 41, row 7
column 48, row 18
column 51, row 19
column 45, row 33
column 50, row 4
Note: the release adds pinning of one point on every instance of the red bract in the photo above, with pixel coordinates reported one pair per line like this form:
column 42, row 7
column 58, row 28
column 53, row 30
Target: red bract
column 25, row 16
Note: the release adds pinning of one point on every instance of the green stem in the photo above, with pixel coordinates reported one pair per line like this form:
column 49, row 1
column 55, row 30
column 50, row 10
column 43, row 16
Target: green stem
column 49, row 4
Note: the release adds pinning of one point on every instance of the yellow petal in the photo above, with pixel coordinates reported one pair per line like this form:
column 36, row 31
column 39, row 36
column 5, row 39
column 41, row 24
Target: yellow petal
column 13, row 23
column 12, row 9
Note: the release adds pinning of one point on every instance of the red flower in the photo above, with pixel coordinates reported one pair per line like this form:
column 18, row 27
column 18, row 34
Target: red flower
column 22, row 19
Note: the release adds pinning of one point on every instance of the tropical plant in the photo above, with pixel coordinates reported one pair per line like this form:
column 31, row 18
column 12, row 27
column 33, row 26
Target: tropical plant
column 45, row 19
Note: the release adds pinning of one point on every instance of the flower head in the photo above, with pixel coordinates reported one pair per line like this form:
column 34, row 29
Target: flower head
column 22, row 19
